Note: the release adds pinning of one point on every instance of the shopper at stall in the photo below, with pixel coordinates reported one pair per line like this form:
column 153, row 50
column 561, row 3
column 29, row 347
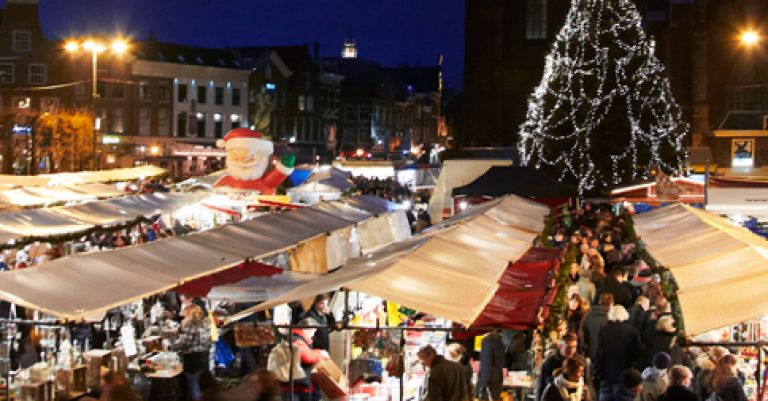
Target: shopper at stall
column 567, row 348
column 655, row 379
column 705, row 365
column 321, row 313
column 618, row 348
column 491, row 375
column 303, row 389
column 568, row 385
column 628, row 389
column 445, row 380
column 680, row 378
column 725, row 380
column 457, row 353
column 193, row 343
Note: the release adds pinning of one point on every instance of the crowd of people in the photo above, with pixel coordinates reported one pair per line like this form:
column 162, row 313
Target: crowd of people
column 618, row 338
column 387, row 188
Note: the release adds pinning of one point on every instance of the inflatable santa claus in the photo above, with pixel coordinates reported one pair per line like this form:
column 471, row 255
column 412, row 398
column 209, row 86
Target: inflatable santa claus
column 248, row 156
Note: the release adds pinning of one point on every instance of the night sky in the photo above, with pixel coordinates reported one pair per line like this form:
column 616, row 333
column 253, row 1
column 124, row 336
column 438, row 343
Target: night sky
column 391, row 32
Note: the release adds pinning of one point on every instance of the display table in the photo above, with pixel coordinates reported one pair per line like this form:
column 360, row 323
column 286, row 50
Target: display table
column 517, row 385
column 166, row 385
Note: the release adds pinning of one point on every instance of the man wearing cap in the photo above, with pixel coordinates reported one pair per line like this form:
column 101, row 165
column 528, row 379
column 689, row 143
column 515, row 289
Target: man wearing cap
column 248, row 156
column 629, row 390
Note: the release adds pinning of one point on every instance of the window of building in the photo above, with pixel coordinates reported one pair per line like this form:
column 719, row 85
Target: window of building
column 219, row 95
column 200, row 125
column 145, row 121
column 118, row 91
column 164, row 93
column 163, row 122
column 310, row 104
column 302, row 103
column 181, row 124
column 182, row 93
column 7, row 75
column 536, row 19
column 38, row 74
column 235, row 97
column 350, row 113
column 365, row 114
column 234, row 119
column 118, row 121
column 218, row 125
column 145, row 92
column 202, row 94
column 22, row 41
column 101, row 90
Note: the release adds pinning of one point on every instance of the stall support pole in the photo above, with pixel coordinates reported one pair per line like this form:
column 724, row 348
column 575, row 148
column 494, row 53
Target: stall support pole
column 402, row 361
column 290, row 370
column 759, row 373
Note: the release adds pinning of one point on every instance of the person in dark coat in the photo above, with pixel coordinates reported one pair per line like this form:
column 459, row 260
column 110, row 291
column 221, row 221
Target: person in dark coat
column 679, row 385
column 614, row 284
column 457, row 353
column 320, row 313
column 628, row 389
column 569, row 383
column 658, row 340
column 639, row 313
column 445, row 380
column 618, row 348
column 595, row 320
column 491, row 375
column 567, row 348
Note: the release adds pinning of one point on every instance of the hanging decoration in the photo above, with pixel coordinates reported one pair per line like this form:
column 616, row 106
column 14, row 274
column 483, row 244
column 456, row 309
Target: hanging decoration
column 603, row 113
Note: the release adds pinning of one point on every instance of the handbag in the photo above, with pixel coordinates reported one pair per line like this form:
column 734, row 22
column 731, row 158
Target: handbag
column 279, row 362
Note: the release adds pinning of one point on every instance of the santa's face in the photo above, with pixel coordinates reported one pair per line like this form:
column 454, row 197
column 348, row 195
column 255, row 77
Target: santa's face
column 246, row 164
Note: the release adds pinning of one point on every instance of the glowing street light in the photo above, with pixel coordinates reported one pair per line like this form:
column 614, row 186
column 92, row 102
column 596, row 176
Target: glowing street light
column 119, row 47
column 749, row 38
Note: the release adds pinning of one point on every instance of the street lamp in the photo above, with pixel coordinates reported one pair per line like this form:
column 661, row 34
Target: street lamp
column 118, row 47
column 749, row 38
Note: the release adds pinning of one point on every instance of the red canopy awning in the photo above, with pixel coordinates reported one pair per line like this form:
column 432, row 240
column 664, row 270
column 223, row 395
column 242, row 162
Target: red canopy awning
column 202, row 286
column 526, row 287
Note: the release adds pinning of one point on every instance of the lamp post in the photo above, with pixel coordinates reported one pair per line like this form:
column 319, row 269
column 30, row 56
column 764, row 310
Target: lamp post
column 94, row 46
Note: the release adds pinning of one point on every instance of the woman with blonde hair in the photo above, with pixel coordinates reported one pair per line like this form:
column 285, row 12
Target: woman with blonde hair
column 193, row 344
column 725, row 380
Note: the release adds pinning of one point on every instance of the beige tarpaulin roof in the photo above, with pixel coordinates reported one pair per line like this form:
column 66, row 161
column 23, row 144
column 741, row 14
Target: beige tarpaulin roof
column 719, row 267
column 451, row 271
column 79, row 218
column 83, row 177
column 85, row 284
column 46, row 195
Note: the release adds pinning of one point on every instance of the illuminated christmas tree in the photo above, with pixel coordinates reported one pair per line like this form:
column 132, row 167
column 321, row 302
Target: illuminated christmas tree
column 603, row 113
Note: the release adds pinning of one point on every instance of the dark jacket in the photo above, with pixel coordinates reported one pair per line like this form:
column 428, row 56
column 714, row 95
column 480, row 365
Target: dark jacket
column 639, row 318
column 595, row 320
column 618, row 348
column 732, row 390
column 655, row 341
column 547, row 369
column 621, row 394
column 446, row 381
column 678, row 393
column 621, row 294
column 321, row 340
column 491, row 373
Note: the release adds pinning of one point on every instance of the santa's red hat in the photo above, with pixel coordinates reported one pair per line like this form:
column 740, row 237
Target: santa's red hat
column 245, row 138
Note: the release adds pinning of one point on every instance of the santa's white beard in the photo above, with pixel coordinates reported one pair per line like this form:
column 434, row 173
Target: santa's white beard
column 247, row 172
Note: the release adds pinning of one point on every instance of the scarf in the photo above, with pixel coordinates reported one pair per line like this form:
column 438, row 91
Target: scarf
column 570, row 391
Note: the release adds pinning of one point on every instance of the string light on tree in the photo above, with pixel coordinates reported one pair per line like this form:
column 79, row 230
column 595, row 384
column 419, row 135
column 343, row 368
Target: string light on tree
column 603, row 113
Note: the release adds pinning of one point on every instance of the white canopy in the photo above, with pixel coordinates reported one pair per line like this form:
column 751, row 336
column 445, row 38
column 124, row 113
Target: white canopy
column 450, row 271
column 85, row 284
column 719, row 267
column 29, row 196
column 83, row 177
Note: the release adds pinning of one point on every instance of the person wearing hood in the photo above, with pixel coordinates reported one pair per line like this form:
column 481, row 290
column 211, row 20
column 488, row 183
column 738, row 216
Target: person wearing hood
column 568, row 385
column 659, row 339
column 628, row 390
column 655, row 379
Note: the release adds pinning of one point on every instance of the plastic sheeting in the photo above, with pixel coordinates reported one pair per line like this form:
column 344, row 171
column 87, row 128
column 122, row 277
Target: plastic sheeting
column 719, row 267
column 451, row 271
